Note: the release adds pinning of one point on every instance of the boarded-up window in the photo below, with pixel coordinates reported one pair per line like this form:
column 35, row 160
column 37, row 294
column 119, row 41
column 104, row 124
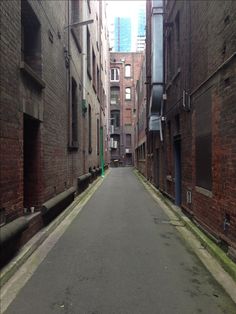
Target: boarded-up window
column 204, row 141
column 128, row 140
column 128, row 116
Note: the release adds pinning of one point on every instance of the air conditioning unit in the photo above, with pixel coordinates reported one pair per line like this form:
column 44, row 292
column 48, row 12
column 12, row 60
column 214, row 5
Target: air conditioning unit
column 127, row 150
column 115, row 144
column 111, row 142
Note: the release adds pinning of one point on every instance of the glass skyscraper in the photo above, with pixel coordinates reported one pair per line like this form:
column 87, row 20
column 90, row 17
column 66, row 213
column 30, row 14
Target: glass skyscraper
column 141, row 22
column 122, row 34
column 141, row 32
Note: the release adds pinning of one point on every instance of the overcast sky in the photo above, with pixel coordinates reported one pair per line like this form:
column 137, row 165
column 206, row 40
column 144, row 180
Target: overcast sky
column 125, row 8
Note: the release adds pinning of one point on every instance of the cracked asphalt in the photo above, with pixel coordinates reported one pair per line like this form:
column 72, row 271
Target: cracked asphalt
column 121, row 255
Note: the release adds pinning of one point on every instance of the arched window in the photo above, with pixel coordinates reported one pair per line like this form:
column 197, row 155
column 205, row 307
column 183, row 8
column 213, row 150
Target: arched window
column 127, row 70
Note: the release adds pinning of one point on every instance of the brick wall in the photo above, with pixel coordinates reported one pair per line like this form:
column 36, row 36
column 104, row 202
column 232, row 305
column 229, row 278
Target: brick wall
column 11, row 185
column 140, row 121
column 206, row 41
column 37, row 160
column 127, row 107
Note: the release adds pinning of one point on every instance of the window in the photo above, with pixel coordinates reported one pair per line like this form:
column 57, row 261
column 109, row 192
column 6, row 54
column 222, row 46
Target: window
column 90, row 129
column 98, row 83
column 203, row 141
column 74, row 116
column 170, row 60
column 88, row 54
column 94, row 71
column 98, row 142
column 177, row 30
column 102, row 96
column 115, row 145
column 128, row 140
column 115, row 75
column 115, row 95
column 115, row 118
column 97, row 32
column 30, row 38
column 128, row 93
column 127, row 70
column 75, row 17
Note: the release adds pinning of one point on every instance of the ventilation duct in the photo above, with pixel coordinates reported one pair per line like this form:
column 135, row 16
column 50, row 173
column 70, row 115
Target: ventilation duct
column 157, row 64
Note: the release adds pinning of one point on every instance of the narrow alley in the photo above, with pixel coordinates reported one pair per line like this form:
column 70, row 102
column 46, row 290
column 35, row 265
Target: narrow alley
column 117, row 157
column 120, row 255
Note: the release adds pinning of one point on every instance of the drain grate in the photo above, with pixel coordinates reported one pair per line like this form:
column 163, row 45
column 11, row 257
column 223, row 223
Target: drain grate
column 161, row 221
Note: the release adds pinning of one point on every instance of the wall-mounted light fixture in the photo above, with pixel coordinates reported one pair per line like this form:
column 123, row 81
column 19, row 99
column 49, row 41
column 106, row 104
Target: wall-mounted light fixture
column 80, row 23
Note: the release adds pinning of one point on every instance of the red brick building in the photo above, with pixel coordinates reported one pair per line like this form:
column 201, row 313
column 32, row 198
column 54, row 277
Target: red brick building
column 125, row 69
column 54, row 100
column 140, row 129
column 192, row 157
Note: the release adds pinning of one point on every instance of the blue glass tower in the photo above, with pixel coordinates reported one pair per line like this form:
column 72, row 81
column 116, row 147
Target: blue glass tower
column 141, row 22
column 122, row 34
column 141, row 30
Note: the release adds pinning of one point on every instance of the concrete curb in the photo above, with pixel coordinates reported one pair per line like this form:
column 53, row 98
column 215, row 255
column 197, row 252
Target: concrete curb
column 28, row 249
column 228, row 265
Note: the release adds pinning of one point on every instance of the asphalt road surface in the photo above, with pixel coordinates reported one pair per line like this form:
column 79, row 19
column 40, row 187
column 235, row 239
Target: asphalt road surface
column 120, row 255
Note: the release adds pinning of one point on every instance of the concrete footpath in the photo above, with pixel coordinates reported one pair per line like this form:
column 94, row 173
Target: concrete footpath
column 228, row 265
column 120, row 250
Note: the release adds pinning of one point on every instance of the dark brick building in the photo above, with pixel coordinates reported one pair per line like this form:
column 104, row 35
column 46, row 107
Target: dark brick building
column 54, row 100
column 124, row 72
column 195, row 163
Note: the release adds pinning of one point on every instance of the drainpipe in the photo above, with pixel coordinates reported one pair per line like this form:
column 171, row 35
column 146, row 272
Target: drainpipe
column 68, row 64
column 101, row 99
column 157, row 65
column 84, row 72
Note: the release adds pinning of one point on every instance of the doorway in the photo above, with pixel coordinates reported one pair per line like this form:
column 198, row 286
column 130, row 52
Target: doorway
column 128, row 159
column 157, row 168
column 32, row 162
